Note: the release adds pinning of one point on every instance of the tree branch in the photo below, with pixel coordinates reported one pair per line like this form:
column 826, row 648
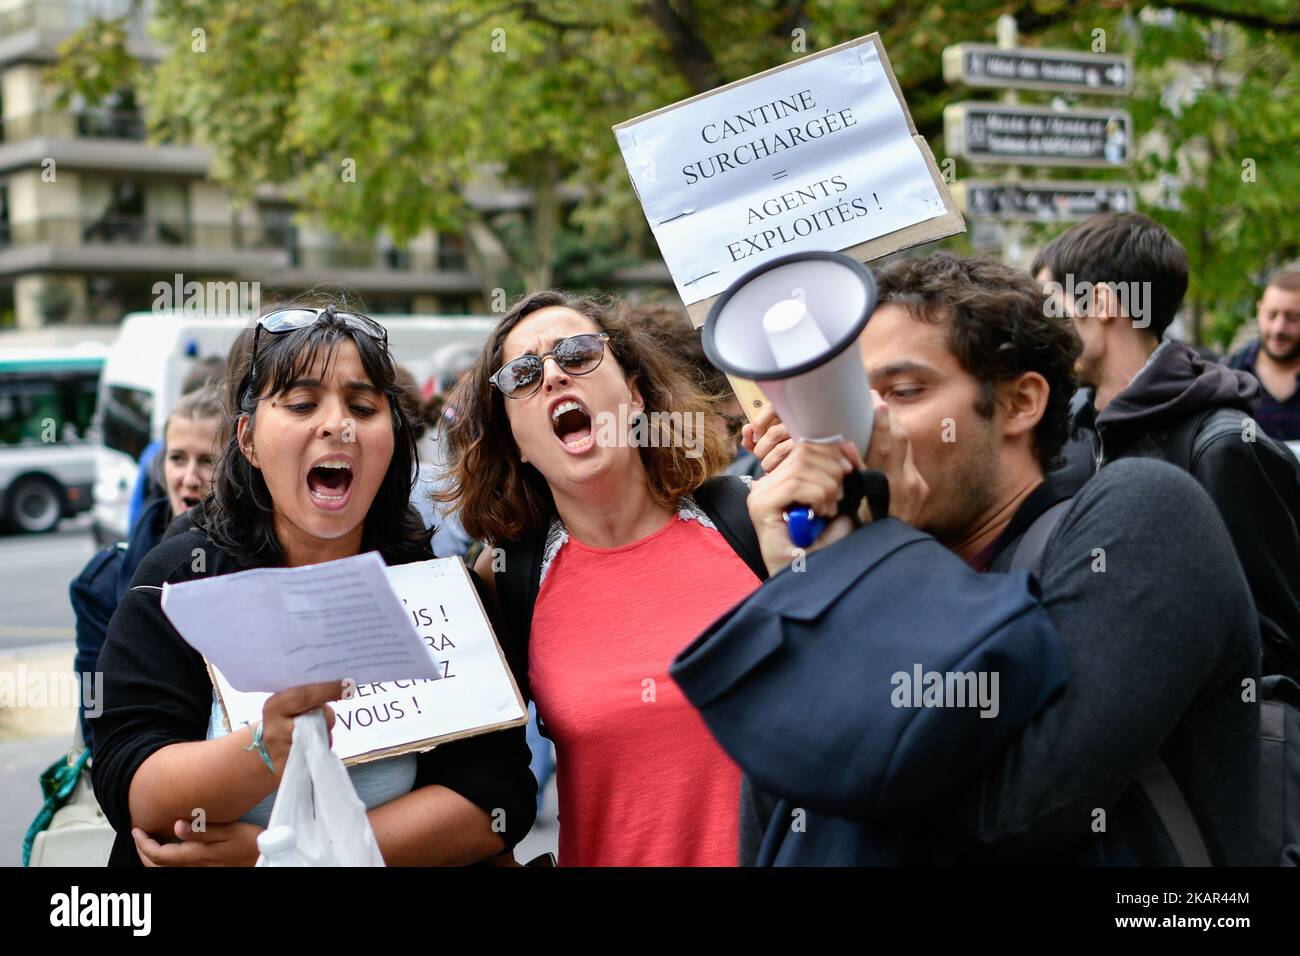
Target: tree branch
column 689, row 52
column 1256, row 20
column 530, row 12
column 793, row 18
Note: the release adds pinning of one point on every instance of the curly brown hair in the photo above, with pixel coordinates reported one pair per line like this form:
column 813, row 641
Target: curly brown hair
column 998, row 328
column 498, row 496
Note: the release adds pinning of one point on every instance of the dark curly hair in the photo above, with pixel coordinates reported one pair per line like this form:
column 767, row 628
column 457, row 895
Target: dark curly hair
column 499, row 497
column 998, row 328
column 238, row 514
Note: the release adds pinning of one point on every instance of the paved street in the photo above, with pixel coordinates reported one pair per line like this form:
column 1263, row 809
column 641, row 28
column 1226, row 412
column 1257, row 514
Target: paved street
column 34, row 575
column 21, row 763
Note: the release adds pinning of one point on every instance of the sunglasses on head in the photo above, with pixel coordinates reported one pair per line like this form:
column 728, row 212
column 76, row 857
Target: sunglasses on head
column 576, row 355
column 290, row 320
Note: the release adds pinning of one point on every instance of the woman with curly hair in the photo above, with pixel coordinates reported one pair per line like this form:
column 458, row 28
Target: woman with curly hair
column 586, row 460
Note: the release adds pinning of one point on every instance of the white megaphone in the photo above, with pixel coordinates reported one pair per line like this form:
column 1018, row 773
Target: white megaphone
column 792, row 325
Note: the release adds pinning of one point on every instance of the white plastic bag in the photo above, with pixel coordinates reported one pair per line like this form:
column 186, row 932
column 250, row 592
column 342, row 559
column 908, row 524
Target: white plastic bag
column 316, row 798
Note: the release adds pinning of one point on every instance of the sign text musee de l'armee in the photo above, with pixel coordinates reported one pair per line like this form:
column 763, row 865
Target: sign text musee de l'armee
column 1038, row 136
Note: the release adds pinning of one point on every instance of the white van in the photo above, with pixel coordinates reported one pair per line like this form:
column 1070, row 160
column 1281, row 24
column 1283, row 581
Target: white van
column 155, row 350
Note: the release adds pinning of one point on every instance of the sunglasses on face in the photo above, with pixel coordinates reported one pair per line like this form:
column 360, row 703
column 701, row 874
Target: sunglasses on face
column 576, row 355
column 290, row 320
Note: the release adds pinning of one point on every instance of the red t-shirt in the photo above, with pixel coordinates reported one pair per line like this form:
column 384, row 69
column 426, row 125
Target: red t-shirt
column 641, row 780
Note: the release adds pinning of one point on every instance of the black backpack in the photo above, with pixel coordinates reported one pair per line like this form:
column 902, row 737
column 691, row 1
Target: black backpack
column 1279, row 742
column 1279, row 695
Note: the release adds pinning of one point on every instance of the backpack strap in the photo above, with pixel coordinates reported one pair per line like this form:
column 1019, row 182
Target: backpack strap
column 1029, row 552
column 724, row 499
column 1272, row 761
column 1175, row 815
column 517, row 584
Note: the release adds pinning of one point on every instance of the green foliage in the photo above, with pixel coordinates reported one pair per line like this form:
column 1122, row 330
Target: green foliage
column 1224, row 101
column 429, row 100
column 93, row 64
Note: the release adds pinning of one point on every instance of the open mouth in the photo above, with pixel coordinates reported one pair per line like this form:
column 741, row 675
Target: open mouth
column 572, row 425
column 329, row 482
column 189, row 501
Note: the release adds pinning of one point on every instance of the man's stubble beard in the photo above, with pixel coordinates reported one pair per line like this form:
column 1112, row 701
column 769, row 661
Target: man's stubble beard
column 974, row 490
column 1286, row 358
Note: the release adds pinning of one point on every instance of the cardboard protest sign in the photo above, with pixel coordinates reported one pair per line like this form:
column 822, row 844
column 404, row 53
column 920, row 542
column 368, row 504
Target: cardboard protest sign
column 473, row 693
column 819, row 154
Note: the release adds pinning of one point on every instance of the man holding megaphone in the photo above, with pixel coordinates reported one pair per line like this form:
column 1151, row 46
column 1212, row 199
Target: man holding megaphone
column 888, row 701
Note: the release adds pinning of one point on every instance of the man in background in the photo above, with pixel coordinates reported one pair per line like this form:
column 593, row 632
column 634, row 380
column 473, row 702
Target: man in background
column 1274, row 358
column 1121, row 277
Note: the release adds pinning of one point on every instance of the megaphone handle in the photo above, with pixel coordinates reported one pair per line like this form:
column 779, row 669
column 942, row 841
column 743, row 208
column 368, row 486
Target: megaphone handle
column 804, row 524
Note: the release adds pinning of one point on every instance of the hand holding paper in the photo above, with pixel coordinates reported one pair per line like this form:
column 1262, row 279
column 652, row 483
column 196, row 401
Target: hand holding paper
column 273, row 628
column 415, row 637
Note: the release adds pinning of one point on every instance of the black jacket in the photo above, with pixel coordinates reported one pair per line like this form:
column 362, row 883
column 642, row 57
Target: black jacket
column 1251, row 478
column 1155, row 639
column 157, row 692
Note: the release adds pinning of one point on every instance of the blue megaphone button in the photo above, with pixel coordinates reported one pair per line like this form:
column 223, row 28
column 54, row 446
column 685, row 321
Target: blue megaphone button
column 805, row 526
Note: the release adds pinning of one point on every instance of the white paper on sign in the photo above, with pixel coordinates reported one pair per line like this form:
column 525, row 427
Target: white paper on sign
column 818, row 156
column 475, row 692
column 273, row 628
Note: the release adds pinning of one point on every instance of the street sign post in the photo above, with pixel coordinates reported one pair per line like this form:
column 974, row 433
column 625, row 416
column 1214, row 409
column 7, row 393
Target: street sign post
column 1047, row 201
column 1037, row 135
column 986, row 65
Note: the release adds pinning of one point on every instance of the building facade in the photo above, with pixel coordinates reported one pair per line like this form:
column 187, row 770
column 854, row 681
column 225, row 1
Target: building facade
column 93, row 215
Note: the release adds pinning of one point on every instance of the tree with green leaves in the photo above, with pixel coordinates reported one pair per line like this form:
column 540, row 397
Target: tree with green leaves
column 431, row 103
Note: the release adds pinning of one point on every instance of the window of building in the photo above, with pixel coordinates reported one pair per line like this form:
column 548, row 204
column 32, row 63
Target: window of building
column 451, row 252
column 118, row 117
column 280, row 231
column 109, row 297
column 125, row 421
column 122, row 218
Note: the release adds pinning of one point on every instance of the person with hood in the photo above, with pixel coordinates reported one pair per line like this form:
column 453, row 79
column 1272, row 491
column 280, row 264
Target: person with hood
column 1121, row 278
